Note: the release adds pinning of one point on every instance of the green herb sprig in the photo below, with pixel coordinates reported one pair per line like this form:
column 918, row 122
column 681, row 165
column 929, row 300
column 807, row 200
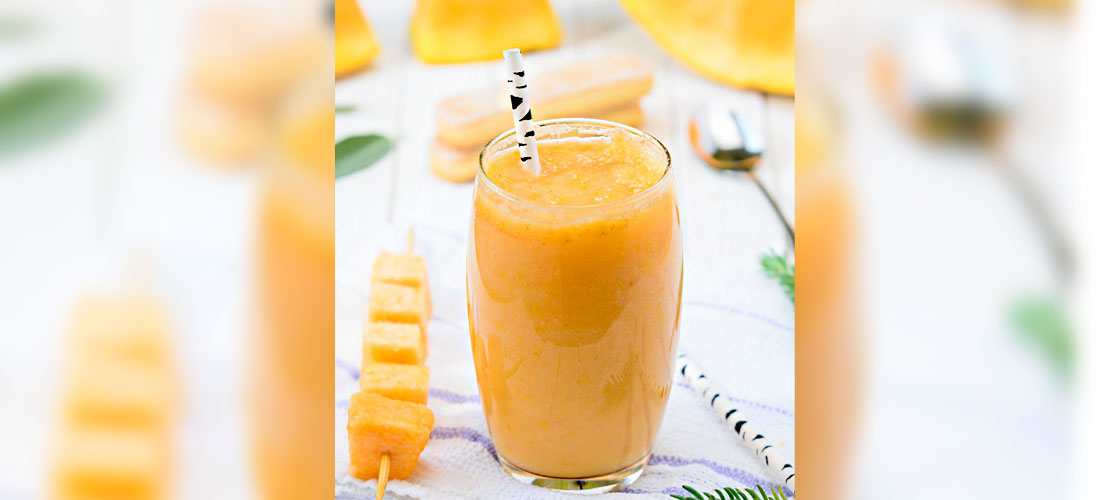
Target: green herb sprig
column 779, row 268
column 360, row 151
column 728, row 493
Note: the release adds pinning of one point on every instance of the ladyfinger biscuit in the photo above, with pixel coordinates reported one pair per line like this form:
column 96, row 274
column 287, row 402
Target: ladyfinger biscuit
column 471, row 119
column 460, row 165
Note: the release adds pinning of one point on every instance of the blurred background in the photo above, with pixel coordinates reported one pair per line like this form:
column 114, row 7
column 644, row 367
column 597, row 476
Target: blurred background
column 940, row 210
column 165, row 173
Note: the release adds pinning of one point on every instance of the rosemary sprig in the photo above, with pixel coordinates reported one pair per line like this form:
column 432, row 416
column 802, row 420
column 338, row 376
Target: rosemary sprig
column 728, row 493
column 779, row 268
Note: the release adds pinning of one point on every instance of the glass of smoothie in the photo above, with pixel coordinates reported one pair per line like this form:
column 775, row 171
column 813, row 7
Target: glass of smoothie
column 573, row 281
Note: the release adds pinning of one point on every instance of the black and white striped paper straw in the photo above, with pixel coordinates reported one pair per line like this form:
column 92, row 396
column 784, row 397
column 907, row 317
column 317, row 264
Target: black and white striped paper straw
column 521, row 111
column 725, row 409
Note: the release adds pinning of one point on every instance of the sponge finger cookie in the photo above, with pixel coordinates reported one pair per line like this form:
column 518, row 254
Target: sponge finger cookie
column 459, row 165
column 607, row 82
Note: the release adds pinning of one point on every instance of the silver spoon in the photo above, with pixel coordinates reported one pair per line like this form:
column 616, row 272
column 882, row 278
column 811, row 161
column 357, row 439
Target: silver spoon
column 726, row 142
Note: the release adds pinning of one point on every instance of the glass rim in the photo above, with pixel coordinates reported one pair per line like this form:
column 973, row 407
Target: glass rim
column 482, row 177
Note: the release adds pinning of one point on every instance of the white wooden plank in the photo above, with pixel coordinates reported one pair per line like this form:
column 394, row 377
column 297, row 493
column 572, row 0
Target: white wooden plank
column 776, row 170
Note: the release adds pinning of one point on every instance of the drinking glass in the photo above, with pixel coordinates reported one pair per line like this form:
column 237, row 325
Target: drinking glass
column 574, row 314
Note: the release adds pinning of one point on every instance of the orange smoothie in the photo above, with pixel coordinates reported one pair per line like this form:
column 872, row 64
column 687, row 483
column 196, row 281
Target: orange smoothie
column 573, row 286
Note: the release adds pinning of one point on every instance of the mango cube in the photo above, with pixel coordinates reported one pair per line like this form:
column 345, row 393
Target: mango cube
column 118, row 394
column 393, row 343
column 120, row 327
column 111, row 463
column 380, row 426
column 395, row 381
column 402, row 269
column 398, row 304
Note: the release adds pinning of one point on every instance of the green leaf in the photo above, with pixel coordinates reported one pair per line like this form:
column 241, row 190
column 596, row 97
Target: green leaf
column 360, row 151
column 693, row 492
column 777, row 267
column 762, row 493
column 43, row 106
column 1042, row 322
column 347, row 108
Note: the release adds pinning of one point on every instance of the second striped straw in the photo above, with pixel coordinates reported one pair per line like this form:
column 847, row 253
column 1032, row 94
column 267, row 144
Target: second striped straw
column 752, row 436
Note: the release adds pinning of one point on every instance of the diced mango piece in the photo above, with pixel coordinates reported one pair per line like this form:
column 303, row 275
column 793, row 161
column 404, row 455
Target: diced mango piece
column 355, row 44
column 111, row 463
column 396, row 381
column 120, row 327
column 747, row 44
column 118, row 394
column 402, row 269
column 458, row 31
column 378, row 426
column 393, row 343
column 398, row 304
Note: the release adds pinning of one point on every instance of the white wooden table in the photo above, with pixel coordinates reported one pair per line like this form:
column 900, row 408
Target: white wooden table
column 727, row 223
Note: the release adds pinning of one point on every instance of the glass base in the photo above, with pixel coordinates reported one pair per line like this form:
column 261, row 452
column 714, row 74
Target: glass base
column 614, row 481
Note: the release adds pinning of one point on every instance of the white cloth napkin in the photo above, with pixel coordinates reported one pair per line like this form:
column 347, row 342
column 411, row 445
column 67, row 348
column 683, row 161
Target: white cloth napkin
column 736, row 324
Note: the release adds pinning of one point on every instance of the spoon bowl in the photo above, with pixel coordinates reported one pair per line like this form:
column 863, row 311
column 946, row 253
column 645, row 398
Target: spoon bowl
column 725, row 141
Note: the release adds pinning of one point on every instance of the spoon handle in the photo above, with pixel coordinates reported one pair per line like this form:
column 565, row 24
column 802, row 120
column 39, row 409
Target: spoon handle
column 771, row 201
column 1056, row 241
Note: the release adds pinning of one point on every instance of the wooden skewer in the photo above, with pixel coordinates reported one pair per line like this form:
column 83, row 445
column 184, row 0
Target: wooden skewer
column 383, row 477
column 384, row 463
